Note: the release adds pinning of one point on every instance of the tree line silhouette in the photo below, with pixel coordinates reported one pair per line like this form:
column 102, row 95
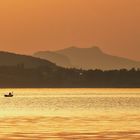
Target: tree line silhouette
column 57, row 77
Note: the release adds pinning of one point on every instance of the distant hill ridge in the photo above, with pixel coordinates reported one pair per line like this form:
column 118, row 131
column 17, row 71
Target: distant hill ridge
column 10, row 59
column 87, row 58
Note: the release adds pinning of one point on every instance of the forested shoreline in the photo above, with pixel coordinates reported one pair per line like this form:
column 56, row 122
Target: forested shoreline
column 58, row 77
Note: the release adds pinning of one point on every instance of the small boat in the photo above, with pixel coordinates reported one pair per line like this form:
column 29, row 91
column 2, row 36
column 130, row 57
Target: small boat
column 9, row 95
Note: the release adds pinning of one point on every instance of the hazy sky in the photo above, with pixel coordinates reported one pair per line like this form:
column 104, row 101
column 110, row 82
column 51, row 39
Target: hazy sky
column 27, row 26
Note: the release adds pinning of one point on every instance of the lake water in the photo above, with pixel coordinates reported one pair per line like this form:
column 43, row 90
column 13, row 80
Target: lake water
column 70, row 114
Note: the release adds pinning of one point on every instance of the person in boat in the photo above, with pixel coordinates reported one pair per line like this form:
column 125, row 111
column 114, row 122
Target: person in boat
column 10, row 93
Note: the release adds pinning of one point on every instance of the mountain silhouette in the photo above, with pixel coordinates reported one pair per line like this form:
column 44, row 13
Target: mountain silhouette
column 22, row 71
column 54, row 57
column 87, row 58
column 12, row 59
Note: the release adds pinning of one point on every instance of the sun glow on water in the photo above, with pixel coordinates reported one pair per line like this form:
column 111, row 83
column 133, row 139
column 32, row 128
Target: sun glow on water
column 70, row 113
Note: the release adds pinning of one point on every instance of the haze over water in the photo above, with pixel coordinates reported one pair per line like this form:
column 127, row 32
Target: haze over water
column 70, row 114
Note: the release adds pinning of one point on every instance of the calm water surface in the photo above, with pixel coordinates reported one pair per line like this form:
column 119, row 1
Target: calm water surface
column 70, row 114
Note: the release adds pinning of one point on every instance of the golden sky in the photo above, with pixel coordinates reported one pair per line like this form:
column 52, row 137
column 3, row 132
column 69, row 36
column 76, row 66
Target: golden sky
column 27, row 26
